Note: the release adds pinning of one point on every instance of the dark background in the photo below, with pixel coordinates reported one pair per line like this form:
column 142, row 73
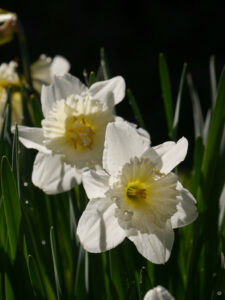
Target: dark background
column 133, row 35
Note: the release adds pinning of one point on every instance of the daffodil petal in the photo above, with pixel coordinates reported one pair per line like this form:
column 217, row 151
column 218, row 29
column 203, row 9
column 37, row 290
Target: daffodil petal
column 59, row 66
column 52, row 175
column 186, row 208
column 140, row 130
column 98, row 229
column 95, row 183
column 158, row 293
column 156, row 246
column 170, row 154
column 112, row 89
column 61, row 88
column 32, row 137
column 40, row 72
column 122, row 142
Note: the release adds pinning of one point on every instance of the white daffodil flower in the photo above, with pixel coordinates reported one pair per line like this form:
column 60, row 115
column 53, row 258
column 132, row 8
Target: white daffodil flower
column 42, row 72
column 73, row 130
column 136, row 195
column 9, row 78
column 45, row 68
column 7, row 26
column 158, row 293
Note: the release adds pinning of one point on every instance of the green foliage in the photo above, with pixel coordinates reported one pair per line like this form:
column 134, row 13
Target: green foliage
column 11, row 206
column 135, row 108
column 40, row 256
column 166, row 92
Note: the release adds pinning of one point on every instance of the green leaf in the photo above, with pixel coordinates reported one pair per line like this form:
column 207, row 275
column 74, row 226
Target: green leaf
column 104, row 64
column 85, row 75
column 92, row 79
column 3, row 228
column 15, row 159
column 24, row 53
column 11, row 205
column 166, row 92
column 135, row 108
column 9, row 294
column 55, row 262
column 5, row 144
column 197, row 110
column 198, row 156
column 35, row 277
column 25, row 103
column 179, row 96
column 215, row 134
column 222, row 210
column 80, row 274
column 36, row 110
column 213, row 83
column 86, row 272
column 73, row 222
column 212, row 182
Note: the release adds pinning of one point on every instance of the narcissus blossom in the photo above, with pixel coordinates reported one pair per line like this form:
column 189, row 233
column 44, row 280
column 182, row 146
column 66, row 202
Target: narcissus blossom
column 158, row 293
column 45, row 68
column 42, row 72
column 73, row 130
column 7, row 26
column 9, row 78
column 136, row 195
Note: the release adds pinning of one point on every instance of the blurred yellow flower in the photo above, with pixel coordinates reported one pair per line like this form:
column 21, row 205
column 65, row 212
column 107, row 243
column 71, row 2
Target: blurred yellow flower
column 9, row 78
column 42, row 72
column 7, row 26
column 45, row 68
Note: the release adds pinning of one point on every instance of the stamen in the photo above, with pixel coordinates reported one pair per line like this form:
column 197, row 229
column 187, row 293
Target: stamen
column 134, row 192
column 79, row 132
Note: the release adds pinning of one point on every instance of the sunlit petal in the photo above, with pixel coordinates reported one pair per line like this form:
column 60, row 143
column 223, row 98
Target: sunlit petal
column 98, row 229
column 52, row 175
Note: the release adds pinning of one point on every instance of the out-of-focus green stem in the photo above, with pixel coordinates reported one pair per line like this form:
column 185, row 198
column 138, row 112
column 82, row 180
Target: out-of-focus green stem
column 24, row 53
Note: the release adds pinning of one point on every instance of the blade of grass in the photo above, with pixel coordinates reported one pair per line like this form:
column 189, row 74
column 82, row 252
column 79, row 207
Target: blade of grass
column 86, row 267
column 166, row 92
column 92, row 79
column 222, row 208
column 213, row 83
column 73, row 222
column 3, row 228
column 79, row 288
column 135, row 108
column 27, row 120
column 206, row 126
column 46, row 282
column 11, row 205
column 5, row 145
column 179, row 96
column 214, row 136
column 55, row 263
column 15, row 160
column 197, row 111
column 9, row 294
column 24, row 53
column 196, row 173
column 212, row 181
column 104, row 64
column 85, row 75
column 35, row 277
column 36, row 110
column 1, row 286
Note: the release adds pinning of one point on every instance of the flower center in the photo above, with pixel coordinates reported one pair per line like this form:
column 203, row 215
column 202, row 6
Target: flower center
column 136, row 193
column 79, row 132
column 144, row 195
